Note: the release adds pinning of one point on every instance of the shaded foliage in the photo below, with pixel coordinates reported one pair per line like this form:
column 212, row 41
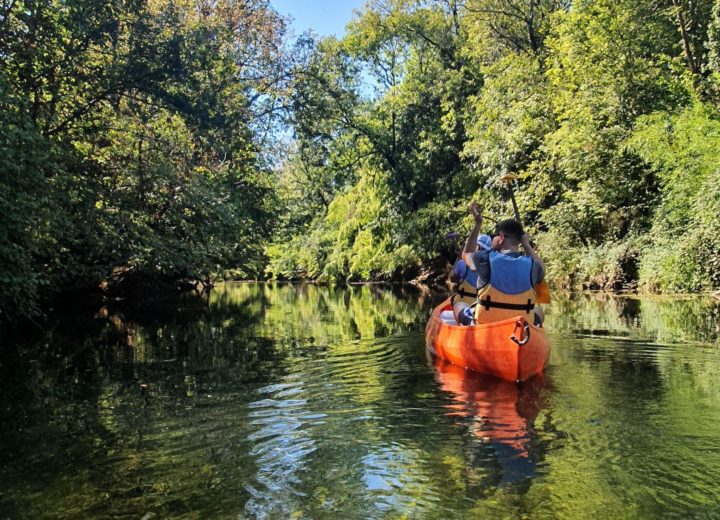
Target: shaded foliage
column 132, row 134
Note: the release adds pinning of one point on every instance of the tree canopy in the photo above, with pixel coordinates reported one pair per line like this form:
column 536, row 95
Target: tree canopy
column 132, row 141
column 603, row 110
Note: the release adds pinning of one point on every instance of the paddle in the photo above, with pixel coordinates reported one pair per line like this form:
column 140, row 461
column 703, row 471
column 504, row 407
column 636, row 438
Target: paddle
column 541, row 289
column 509, row 179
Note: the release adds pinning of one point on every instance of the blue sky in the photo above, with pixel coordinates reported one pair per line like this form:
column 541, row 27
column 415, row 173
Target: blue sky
column 325, row 17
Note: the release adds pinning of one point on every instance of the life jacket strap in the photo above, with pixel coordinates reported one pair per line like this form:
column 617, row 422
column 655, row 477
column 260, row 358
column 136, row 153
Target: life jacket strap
column 487, row 303
column 462, row 293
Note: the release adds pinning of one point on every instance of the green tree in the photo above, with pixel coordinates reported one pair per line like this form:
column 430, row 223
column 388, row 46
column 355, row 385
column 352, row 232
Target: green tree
column 23, row 201
column 154, row 115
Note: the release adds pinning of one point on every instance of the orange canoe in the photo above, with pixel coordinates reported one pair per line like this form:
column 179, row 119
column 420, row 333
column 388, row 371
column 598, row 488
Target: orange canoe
column 511, row 349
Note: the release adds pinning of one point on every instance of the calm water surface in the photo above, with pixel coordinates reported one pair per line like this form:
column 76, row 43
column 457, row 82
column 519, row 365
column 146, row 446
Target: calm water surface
column 288, row 401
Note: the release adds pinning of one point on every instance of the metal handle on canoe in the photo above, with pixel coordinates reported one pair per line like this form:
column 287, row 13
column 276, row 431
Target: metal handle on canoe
column 525, row 335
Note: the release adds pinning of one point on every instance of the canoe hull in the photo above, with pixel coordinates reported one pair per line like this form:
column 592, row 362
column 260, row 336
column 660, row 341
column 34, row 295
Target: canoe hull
column 488, row 348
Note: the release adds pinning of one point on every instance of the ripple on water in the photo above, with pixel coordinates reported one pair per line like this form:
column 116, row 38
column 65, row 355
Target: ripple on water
column 283, row 442
column 332, row 399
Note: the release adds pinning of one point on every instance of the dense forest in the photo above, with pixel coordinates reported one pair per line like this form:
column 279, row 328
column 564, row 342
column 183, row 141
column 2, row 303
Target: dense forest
column 164, row 141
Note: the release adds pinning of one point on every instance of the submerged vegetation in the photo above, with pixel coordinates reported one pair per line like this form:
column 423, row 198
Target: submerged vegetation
column 140, row 140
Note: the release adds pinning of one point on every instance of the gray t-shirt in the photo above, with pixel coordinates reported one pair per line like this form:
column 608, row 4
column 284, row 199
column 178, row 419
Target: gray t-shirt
column 481, row 260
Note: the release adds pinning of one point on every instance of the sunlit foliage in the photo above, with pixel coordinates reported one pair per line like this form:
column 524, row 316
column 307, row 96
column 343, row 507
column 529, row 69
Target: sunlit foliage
column 139, row 141
column 459, row 93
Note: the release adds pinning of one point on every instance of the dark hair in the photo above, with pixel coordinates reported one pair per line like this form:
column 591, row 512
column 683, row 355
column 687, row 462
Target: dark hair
column 510, row 228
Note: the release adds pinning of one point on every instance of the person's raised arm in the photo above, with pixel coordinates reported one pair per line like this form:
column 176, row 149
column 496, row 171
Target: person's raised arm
column 531, row 252
column 471, row 243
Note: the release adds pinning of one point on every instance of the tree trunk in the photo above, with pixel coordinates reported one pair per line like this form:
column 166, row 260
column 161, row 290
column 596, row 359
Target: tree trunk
column 685, row 37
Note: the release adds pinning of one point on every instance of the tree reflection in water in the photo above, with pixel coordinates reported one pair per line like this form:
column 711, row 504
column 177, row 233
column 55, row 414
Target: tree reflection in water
column 276, row 401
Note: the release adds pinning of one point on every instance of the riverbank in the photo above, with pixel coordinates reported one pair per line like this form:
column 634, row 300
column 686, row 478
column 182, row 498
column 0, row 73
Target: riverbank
column 138, row 290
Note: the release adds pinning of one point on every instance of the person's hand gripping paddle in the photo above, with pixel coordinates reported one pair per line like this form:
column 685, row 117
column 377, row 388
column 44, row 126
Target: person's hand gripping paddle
column 542, row 291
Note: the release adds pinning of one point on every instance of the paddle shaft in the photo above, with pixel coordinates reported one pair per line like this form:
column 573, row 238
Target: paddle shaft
column 514, row 204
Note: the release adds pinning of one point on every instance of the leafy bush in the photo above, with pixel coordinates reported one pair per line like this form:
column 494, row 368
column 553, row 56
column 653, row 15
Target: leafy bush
column 356, row 240
column 23, row 203
column 571, row 264
column 685, row 149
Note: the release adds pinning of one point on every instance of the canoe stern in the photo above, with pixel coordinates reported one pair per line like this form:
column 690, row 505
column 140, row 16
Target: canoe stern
column 488, row 348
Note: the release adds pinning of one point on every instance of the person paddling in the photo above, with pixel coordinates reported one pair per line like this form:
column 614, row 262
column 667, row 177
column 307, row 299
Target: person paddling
column 505, row 277
column 464, row 280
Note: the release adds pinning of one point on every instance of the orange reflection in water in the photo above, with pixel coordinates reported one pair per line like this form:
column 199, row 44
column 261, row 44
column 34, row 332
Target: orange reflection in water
column 503, row 412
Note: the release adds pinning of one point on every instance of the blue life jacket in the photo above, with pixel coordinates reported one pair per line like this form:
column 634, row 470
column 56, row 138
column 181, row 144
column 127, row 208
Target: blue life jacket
column 466, row 274
column 510, row 292
column 510, row 274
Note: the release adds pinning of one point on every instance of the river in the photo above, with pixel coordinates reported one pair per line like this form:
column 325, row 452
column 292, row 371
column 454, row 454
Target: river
column 298, row 401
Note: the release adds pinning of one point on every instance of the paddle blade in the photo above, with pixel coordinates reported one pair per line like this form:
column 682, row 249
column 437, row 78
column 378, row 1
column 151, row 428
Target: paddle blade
column 542, row 291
